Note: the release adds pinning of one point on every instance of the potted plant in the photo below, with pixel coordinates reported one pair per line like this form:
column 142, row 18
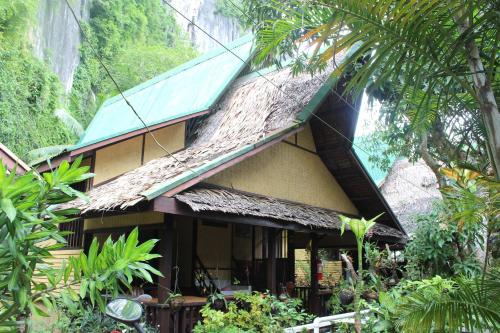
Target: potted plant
column 217, row 301
column 174, row 300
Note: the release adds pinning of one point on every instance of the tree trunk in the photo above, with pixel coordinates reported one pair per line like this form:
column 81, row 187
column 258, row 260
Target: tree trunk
column 431, row 162
column 484, row 93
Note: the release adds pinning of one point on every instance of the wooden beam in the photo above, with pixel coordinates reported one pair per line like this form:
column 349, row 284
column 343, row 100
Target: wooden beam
column 166, row 247
column 290, row 256
column 271, row 261
column 314, row 306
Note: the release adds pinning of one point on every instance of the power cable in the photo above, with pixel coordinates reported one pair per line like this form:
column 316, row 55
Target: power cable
column 99, row 59
column 276, row 86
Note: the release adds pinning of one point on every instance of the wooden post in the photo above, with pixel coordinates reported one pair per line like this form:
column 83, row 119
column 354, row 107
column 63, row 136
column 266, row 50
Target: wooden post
column 271, row 260
column 252, row 277
column 165, row 283
column 290, row 256
column 313, row 294
column 194, row 251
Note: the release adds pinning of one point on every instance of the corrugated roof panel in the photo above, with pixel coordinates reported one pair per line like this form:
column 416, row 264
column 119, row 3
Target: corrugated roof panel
column 187, row 89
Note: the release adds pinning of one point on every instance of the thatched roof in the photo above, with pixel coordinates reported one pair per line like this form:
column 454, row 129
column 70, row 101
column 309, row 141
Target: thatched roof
column 405, row 199
column 251, row 111
column 218, row 199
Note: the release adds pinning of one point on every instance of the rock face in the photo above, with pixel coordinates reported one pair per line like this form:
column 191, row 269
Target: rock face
column 204, row 14
column 56, row 37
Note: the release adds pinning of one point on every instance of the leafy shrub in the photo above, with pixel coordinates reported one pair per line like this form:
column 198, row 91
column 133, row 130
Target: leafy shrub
column 29, row 95
column 253, row 313
column 30, row 214
column 442, row 248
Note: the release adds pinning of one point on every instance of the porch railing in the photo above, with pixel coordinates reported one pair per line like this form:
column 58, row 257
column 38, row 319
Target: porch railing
column 168, row 320
column 329, row 321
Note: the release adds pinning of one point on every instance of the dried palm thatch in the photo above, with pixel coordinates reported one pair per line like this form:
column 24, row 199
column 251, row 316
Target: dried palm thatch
column 219, row 199
column 251, row 110
column 405, row 200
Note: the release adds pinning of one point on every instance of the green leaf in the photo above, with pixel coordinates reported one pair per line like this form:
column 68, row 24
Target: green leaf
column 83, row 288
column 8, row 208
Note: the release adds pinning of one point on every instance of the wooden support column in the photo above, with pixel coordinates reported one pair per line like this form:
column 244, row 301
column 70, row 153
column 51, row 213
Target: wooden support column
column 271, row 260
column 166, row 247
column 290, row 269
column 314, row 306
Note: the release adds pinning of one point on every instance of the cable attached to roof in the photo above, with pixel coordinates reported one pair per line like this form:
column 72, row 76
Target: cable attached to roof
column 284, row 92
column 94, row 50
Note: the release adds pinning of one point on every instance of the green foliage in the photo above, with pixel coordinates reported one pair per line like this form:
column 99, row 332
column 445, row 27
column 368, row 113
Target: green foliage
column 82, row 318
column 438, row 305
column 29, row 95
column 253, row 313
column 433, row 249
column 450, row 305
column 137, row 39
column 415, row 58
column 137, row 63
column 29, row 219
column 230, row 8
column 446, row 240
column 14, row 17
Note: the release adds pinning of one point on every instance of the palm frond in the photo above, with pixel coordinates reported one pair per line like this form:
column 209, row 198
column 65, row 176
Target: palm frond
column 472, row 304
column 37, row 156
column 69, row 121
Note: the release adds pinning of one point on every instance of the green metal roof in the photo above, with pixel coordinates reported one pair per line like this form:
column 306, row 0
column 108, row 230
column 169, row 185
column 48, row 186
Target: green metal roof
column 376, row 173
column 187, row 89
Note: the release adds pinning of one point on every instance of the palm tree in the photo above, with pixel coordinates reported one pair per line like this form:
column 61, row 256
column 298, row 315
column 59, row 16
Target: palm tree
column 440, row 305
column 435, row 53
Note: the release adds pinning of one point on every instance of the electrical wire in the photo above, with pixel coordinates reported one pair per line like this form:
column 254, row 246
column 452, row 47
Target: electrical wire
column 293, row 97
column 99, row 59
column 94, row 50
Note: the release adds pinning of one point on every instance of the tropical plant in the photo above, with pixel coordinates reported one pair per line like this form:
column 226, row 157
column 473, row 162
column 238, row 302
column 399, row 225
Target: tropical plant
column 428, row 57
column 473, row 199
column 30, row 214
column 255, row 312
column 440, row 305
column 360, row 228
column 440, row 247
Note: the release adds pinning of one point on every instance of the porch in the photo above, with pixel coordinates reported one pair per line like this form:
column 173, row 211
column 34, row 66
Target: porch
column 206, row 251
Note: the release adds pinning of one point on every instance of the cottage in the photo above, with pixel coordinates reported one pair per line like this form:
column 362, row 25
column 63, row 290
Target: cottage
column 238, row 175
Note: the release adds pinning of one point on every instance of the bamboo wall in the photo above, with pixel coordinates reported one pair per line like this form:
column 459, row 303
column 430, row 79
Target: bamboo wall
column 286, row 172
column 59, row 256
column 114, row 160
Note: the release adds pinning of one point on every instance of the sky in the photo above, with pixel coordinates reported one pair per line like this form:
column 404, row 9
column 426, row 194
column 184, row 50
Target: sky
column 368, row 116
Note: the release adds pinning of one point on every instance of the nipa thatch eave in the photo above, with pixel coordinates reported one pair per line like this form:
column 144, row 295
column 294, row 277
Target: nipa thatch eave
column 229, row 201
